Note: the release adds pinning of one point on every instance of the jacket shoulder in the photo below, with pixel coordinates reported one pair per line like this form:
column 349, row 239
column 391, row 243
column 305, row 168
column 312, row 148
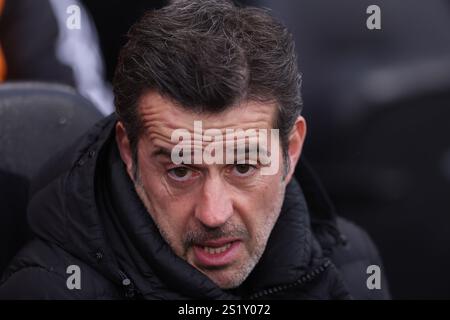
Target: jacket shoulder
column 45, row 271
column 353, row 259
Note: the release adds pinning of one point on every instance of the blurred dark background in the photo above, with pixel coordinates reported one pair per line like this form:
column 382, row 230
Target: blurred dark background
column 378, row 107
column 377, row 104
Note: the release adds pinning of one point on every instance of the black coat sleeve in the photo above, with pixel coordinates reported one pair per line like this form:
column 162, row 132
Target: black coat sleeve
column 35, row 283
column 41, row 271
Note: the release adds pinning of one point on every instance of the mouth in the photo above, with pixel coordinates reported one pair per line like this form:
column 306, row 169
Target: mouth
column 217, row 253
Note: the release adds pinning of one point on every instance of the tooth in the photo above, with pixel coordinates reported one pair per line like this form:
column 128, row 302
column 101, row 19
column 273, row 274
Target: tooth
column 217, row 250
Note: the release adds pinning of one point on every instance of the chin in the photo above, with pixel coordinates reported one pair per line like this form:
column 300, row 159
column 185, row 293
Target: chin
column 228, row 281
column 228, row 278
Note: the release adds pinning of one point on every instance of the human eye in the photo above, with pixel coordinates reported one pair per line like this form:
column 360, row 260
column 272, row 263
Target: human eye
column 243, row 170
column 181, row 174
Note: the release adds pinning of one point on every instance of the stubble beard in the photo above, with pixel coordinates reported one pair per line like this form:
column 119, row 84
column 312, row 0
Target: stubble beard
column 236, row 278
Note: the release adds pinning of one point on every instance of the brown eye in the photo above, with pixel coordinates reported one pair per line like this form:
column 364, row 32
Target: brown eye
column 180, row 173
column 243, row 169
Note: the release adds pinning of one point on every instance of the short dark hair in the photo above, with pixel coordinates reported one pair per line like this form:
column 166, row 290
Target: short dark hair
column 206, row 55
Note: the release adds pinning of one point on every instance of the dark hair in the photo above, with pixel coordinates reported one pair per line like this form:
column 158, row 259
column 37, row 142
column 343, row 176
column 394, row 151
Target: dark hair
column 206, row 55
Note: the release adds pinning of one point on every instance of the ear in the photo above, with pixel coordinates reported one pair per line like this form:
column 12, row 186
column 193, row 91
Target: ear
column 124, row 147
column 296, row 140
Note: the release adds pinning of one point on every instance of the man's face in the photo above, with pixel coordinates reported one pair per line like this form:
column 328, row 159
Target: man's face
column 217, row 217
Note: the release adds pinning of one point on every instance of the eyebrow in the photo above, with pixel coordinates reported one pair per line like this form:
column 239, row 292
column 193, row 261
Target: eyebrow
column 162, row 152
column 166, row 153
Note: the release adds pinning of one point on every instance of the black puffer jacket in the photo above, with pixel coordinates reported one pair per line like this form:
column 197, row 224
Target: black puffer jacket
column 85, row 212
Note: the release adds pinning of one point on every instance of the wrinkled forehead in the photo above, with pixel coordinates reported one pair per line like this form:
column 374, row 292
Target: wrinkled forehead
column 161, row 118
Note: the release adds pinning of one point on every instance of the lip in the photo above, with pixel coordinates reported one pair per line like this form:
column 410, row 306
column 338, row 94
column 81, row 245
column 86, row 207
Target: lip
column 217, row 243
column 207, row 259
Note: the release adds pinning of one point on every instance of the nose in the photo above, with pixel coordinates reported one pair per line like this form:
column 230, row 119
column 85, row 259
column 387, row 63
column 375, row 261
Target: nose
column 215, row 206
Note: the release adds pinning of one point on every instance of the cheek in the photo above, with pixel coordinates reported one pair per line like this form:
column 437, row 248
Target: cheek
column 171, row 213
column 166, row 206
column 261, row 205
